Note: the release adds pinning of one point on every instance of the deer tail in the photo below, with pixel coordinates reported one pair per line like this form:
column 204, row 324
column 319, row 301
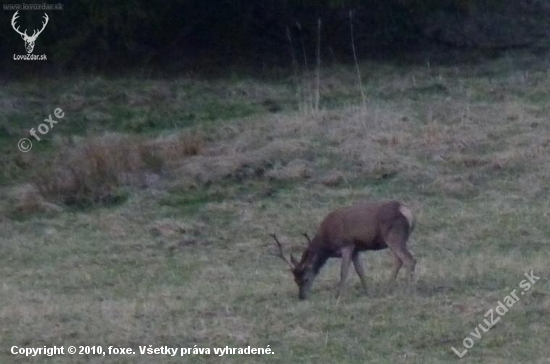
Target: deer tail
column 407, row 213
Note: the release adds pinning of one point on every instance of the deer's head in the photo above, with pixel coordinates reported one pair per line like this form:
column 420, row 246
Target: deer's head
column 302, row 270
column 29, row 40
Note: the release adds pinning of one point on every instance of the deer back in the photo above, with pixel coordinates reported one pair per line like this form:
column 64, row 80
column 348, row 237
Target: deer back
column 362, row 223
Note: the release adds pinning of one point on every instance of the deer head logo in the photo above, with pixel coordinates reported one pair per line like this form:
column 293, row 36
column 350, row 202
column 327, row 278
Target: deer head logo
column 29, row 41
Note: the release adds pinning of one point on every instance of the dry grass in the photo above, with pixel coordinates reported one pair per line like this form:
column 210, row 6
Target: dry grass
column 186, row 261
column 92, row 170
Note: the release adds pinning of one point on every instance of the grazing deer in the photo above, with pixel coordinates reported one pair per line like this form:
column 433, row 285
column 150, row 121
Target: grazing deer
column 346, row 232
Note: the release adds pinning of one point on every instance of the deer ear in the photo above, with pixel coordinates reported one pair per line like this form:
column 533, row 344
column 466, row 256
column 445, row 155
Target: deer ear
column 293, row 260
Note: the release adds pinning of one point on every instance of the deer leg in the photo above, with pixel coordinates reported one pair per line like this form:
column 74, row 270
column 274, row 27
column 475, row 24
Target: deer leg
column 344, row 269
column 396, row 239
column 408, row 260
column 359, row 269
column 397, row 264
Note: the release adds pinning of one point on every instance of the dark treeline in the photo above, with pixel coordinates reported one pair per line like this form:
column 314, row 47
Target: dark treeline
column 98, row 35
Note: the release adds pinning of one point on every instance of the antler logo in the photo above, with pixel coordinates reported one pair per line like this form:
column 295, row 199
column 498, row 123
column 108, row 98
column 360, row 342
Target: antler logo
column 29, row 41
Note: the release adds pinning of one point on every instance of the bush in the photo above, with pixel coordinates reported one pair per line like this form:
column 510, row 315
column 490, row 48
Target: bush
column 91, row 171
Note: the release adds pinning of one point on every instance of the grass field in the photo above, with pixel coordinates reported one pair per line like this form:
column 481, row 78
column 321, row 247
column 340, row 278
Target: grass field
column 160, row 236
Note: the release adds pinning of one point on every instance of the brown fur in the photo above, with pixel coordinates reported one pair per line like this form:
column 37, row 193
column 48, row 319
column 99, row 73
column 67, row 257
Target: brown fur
column 348, row 231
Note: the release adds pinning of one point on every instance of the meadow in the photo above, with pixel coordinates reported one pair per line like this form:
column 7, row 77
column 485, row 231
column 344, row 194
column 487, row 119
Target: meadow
column 143, row 217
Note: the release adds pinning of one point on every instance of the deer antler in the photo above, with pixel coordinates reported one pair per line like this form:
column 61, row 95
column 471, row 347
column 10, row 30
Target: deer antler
column 43, row 25
column 13, row 19
column 280, row 253
column 34, row 33
column 307, row 237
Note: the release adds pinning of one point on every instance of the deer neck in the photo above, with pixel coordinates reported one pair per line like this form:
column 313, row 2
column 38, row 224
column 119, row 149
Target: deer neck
column 315, row 259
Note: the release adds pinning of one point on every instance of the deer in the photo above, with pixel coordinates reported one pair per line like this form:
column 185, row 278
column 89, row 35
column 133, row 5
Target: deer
column 29, row 40
column 346, row 232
